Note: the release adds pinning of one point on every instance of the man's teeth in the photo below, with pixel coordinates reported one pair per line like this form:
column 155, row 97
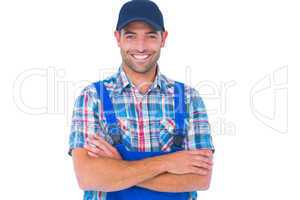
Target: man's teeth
column 140, row 57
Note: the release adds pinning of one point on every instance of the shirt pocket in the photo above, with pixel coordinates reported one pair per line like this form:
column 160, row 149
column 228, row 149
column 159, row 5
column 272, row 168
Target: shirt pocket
column 124, row 126
column 166, row 134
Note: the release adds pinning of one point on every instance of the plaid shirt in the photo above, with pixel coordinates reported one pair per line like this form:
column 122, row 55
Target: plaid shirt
column 147, row 120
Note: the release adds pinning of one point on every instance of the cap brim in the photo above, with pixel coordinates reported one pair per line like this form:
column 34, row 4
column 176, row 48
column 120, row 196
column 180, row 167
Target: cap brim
column 155, row 26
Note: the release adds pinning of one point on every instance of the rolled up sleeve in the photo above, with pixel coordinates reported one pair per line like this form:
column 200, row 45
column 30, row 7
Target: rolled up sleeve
column 199, row 133
column 85, row 119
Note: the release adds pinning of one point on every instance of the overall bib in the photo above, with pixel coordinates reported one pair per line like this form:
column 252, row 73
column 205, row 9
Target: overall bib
column 138, row 193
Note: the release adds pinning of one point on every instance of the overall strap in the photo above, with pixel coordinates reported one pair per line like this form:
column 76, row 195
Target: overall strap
column 109, row 113
column 180, row 114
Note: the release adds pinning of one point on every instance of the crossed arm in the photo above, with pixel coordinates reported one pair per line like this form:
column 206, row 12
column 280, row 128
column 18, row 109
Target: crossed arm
column 107, row 172
column 168, row 182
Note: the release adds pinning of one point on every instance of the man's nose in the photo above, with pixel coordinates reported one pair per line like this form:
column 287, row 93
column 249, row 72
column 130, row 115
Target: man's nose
column 140, row 45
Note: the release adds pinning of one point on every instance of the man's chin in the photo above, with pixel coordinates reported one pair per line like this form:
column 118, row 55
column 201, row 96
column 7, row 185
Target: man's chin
column 141, row 69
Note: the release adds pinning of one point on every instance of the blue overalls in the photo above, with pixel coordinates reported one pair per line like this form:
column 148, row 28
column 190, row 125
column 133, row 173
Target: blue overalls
column 135, row 192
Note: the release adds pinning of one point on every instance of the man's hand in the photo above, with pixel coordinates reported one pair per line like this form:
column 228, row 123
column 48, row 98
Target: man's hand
column 97, row 146
column 181, row 162
column 193, row 161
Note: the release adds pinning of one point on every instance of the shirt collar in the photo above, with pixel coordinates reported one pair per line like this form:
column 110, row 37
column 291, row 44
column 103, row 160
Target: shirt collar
column 123, row 81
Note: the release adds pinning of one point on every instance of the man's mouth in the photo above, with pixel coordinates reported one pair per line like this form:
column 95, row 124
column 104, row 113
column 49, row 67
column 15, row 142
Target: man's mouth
column 140, row 57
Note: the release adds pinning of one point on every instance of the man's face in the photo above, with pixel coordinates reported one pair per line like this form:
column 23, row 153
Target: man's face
column 140, row 46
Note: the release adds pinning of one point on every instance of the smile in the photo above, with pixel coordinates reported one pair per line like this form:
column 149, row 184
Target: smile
column 140, row 57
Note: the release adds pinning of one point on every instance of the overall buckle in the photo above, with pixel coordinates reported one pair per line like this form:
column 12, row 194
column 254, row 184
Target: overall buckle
column 178, row 140
column 114, row 132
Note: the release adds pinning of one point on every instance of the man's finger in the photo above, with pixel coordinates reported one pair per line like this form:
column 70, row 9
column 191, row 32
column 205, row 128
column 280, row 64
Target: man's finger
column 93, row 155
column 92, row 149
column 203, row 159
column 200, row 171
column 99, row 154
column 104, row 142
column 107, row 148
column 203, row 152
column 202, row 165
column 102, row 146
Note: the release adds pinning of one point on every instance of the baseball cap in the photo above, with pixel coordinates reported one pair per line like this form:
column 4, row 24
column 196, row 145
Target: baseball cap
column 141, row 10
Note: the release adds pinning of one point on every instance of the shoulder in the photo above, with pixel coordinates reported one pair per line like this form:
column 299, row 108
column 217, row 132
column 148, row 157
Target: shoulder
column 191, row 92
column 89, row 91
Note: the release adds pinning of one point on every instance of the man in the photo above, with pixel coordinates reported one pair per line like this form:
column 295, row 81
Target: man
column 138, row 134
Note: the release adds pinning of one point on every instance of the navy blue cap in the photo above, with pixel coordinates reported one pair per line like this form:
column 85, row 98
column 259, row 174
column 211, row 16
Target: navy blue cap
column 141, row 10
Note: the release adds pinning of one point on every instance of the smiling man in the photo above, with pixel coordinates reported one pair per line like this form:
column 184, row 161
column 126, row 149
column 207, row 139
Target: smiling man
column 137, row 134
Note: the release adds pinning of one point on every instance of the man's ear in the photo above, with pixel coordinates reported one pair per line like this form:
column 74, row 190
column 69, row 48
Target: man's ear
column 164, row 38
column 118, row 37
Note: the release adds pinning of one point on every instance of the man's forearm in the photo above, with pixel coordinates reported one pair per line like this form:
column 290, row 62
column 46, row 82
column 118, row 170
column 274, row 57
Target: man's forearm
column 106, row 174
column 168, row 182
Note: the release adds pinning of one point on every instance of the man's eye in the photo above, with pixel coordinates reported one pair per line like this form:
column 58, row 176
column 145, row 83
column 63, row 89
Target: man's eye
column 152, row 36
column 129, row 37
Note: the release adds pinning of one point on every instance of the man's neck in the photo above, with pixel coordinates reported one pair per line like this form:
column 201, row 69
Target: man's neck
column 142, row 81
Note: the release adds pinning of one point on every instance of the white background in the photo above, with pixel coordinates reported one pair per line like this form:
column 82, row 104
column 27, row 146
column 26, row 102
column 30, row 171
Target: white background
column 49, row 50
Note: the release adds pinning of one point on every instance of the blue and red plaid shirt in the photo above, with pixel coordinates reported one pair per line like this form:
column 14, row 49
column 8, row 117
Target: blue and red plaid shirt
column 147, row 120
